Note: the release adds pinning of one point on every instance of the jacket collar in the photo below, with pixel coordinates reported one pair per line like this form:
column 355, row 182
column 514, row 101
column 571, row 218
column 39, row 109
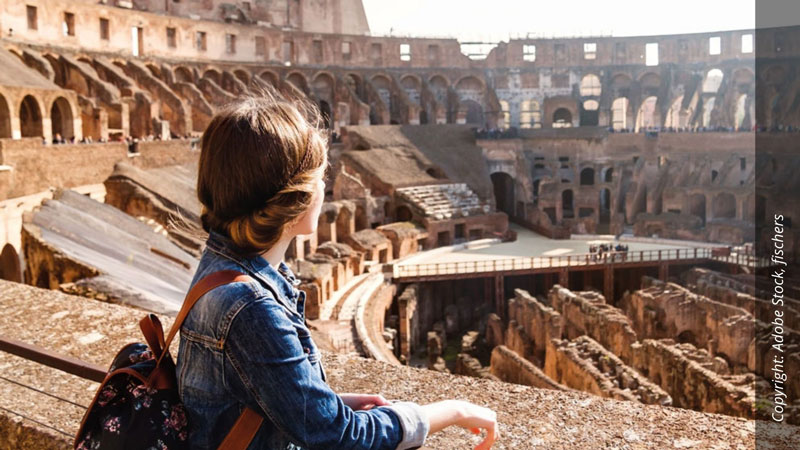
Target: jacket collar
column 281, row 280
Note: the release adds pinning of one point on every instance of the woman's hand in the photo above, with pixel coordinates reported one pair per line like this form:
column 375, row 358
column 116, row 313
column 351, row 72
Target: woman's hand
column 363, row 401
column 464, row 414
column 475, row 418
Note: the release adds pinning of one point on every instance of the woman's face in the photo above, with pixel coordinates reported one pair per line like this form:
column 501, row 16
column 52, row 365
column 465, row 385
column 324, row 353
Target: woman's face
column 309, row 219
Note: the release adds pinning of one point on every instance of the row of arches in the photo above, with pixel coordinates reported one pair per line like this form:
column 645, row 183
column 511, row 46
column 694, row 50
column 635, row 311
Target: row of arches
column 31, row 115
column 429, row 99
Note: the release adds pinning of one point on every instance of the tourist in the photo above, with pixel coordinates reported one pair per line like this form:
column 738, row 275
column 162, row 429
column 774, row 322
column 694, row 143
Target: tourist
column 260, row 181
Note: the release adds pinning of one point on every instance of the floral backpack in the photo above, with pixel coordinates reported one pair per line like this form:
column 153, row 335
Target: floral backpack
column 137, row 405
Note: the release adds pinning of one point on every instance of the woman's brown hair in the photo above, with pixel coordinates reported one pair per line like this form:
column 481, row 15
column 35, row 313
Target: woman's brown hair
column 260, row 161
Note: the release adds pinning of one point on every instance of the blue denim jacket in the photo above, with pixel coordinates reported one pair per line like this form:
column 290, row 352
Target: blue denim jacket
column 248, row 344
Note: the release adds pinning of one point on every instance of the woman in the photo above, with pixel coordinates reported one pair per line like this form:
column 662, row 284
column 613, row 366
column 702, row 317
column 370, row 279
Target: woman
column 260, row 181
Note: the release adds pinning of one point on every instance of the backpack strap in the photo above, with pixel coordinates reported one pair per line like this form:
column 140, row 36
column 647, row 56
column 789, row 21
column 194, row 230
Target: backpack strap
column 248, row 423
column 243, row 431
column 208, row 283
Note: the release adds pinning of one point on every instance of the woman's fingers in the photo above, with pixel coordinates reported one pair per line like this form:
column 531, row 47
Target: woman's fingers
column 492, row 434
column 378, row 400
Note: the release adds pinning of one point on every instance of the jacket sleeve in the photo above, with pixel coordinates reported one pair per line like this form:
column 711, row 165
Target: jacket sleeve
column 274, row 374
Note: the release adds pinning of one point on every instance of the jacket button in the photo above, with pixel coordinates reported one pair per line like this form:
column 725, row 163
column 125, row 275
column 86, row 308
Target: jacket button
column 307, row 350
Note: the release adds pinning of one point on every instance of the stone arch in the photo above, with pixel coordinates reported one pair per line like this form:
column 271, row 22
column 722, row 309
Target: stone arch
column 5, row 118
column 621, row 85
column 213, row 75
column 621, row 114
column 183, row 74
column 687, row 337
column 648, row 115
column 562, row 118
column 270, row 77
column 712, row 81
column 10, row 264
column 503, row 185
column 587, row 176
column 743, row 79
column 470, row 82
column 724, row 206
column 383, row 88
column 567, row 204
column 62, row 119
column 473, row 111
column 242, row 75
column 299, row 81
column 438, row 85
column 650, row 83
column 607, row 174
column 470, row 91
column 697, row 206
column 30, row 117
column 677, row 117
column 412, row 86
column 590, row 86
column 590, row 113
column 154, row 70
column 403, row 214
column 356, row 84
column 323, row 86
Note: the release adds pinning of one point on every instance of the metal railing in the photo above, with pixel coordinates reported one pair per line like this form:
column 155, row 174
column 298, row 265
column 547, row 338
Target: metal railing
column 555, row 262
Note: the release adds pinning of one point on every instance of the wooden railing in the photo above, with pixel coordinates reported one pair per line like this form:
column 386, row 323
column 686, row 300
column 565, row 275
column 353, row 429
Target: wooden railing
column 587, row 259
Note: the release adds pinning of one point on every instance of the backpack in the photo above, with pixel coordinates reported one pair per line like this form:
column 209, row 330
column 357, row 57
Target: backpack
column 137, row 405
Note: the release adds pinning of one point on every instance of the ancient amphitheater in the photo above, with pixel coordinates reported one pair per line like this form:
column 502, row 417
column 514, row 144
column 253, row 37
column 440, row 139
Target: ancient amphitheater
column 565, row 230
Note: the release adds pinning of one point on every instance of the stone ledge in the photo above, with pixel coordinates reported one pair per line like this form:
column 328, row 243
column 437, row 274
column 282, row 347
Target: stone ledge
column 529, row 417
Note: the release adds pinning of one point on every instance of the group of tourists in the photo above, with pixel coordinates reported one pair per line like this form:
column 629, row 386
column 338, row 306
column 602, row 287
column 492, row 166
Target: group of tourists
column 599, row 250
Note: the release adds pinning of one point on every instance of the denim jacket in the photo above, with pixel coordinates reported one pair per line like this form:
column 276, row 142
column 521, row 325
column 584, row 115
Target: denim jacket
column 247, row 344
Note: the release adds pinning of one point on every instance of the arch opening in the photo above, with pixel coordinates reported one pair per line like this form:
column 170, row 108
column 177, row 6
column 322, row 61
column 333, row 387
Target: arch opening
column 648, row 117
column 724, row 206
column 620, row 112
column 63, row 125
column 10, row 266
column 30, row 117
column 697, row 206
column 503, row 185
column 587, row 176
column 5, row 118
column 567, row 204
column 562, row 118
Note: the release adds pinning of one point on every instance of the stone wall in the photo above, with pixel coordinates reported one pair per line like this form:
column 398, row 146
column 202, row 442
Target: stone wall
column 740, row 294
column 508, row 366
column 586, row 313
column 36, row 167
column 584, row 364
column 539, row 323
column 667, row 310
column 690, row 384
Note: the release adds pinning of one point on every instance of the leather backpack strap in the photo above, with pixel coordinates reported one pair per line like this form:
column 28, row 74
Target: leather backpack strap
column 248, row 423
column 208, row 283
column 243, row 431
